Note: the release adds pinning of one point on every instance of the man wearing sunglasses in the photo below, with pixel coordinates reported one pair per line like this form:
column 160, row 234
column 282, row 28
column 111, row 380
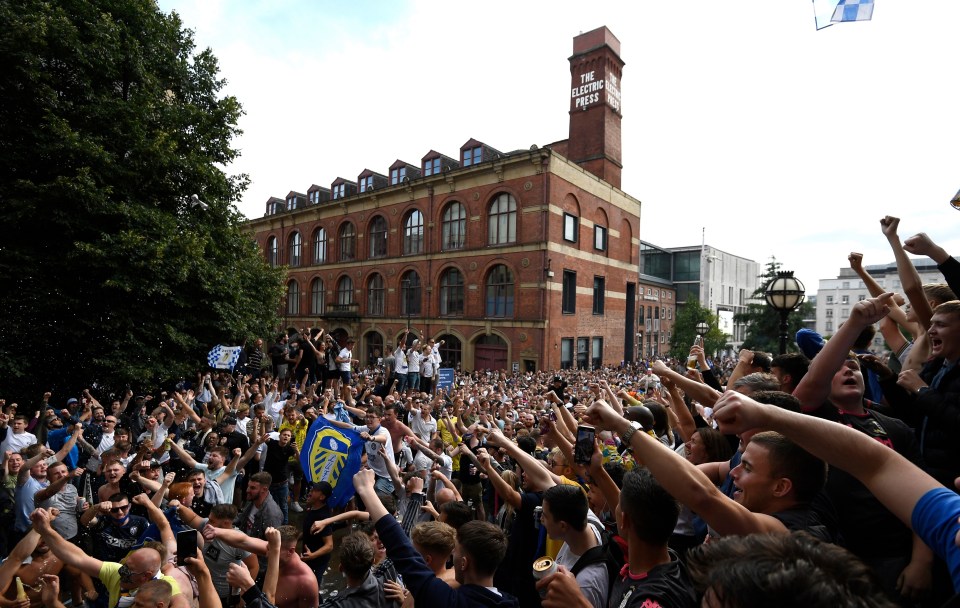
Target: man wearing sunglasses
column 122, row 580
column 115, row 530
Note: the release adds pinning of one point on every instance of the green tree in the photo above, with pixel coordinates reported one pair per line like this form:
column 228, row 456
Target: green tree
column 110, row 122
column 763, row 322
column 685, row 330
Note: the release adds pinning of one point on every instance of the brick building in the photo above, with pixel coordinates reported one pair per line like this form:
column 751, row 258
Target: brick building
column 526, row 259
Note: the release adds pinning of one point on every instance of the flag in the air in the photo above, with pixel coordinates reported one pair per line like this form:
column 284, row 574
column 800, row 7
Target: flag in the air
column 333, row 455
column 224, row 357
column 853, row 10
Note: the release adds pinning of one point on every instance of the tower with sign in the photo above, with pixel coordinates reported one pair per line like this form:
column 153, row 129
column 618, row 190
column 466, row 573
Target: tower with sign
column 595, row 110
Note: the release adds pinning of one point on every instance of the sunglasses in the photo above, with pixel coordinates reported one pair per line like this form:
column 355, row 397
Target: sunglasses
column 122, row 508
column 126, row 573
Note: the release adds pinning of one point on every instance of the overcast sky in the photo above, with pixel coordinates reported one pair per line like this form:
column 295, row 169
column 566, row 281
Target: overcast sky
column 738, row 117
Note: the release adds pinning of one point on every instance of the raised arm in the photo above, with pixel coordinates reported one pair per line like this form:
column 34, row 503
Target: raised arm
column 67, row 552
column 236, row 538
column 698, row 391
column 539, row 477
column 56, row 486
column 17, row 556
column 909, row 277
column 506, row 492
column 921, row 244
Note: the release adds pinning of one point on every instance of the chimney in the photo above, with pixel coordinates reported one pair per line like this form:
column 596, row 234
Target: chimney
column 595, row 114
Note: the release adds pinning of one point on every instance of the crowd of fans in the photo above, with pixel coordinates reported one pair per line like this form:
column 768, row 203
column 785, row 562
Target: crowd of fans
column 823, row 477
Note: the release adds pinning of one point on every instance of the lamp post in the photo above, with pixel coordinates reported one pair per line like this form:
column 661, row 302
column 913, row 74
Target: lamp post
column 406, row 301
column 784, row 294
column 702, row 328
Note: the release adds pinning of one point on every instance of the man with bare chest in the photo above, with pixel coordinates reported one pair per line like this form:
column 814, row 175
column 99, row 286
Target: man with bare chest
column 297, row 585
column 43, row 561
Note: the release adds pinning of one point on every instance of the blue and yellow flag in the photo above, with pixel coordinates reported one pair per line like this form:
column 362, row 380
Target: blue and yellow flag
column 333, row 455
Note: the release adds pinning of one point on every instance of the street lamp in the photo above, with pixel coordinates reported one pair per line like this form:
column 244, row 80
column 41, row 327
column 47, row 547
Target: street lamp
column 406, row 301
column 784, row 294
column 702, row 328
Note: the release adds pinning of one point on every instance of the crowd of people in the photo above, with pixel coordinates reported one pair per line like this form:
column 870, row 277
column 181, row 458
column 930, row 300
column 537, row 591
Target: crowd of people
column 820, row 477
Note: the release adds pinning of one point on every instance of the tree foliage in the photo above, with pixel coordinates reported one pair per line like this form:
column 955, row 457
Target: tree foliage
column 110, row 122
column 763, row 322
column 684, row 330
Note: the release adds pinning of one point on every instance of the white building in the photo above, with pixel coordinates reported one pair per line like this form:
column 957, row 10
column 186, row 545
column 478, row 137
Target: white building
column 835, row 297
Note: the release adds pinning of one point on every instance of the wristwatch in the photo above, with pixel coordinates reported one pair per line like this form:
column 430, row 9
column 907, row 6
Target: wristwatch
column 628, row 434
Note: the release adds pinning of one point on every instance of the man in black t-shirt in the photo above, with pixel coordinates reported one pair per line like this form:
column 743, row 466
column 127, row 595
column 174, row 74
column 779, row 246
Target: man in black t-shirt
column 279, row 452
column 317, row 545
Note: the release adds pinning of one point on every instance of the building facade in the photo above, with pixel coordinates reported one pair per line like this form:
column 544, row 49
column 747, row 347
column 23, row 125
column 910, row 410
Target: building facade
column 835, row 297
column 517, row 260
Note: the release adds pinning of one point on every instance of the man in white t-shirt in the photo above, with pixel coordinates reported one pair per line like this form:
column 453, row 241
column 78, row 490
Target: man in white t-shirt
column 375, row 436
column 344, row 362
column 17, row 437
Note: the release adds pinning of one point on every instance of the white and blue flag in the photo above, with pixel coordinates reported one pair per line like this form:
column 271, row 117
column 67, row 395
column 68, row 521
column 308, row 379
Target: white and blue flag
column 224, row 357
column 853, row 10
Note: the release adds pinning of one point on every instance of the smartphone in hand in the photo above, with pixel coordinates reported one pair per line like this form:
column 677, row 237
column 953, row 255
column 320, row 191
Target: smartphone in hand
column 186, row 545
column 586, row 443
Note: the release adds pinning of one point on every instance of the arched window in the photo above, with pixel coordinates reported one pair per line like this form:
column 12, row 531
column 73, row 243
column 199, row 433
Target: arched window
column 293, row 298
column 373, row 343
column 320, row 246
column 451, row 293
column 375, row 296
column 345, row 291
column 316, row 297
column 410, row 294
column 500, row 292
column 502, row 225
column 413, row 233
column 378, row 237
column 450, row 351
column 348, row 242
column 273, row 252
column 454, row 227
column 294, row 249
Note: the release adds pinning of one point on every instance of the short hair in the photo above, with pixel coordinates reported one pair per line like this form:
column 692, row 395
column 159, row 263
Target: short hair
column 224, row 511
column 223, row 451
column 376, row 411
column 356, row 554
column 485, row 543
column 458, row 513
column 806, row 472
column 434, row 537
column 938, row 292
column 716, row 444
column 118, row 496
column 652, row 510
column 758, row 381
column 567, row 504
column 160, row 548
column 762, row 360
column 784, row 401
column 195, row 473
column 616, row 471
column 794, row 364
column 157, row 590
column 289, row 533
column 179, row 490
column 792, row 570
column 949, row 307
column 263, row 478
column 525, row 442
column 389, row 502
column 31, row 450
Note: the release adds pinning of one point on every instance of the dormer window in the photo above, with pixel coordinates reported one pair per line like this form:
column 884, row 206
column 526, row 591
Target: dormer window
column 314, row 197
column 291, row 203
column 472, row 156
column 339, row 191
column 366, row 183
column 431, row 167
column 397, row 175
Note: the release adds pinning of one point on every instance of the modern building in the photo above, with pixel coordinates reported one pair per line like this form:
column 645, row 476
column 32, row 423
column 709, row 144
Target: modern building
column 835, row 297
column 522, row 260
column 718, row 280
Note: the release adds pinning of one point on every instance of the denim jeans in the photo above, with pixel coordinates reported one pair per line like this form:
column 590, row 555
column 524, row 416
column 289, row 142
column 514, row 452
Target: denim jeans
column 413, row 380
column 280, row 493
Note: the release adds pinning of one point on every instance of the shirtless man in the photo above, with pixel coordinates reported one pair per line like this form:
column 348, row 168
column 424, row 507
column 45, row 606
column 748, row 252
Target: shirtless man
column 44, row 562
column 435, row 541
column 297, row 585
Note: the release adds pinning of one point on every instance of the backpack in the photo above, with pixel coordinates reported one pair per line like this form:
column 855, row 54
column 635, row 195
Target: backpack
column 611, row 552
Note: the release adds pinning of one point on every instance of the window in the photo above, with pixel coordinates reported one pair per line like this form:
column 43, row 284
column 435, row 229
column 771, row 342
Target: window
column 670, row 313
column 599, row 293
column 454, row 228
column 339, row 191
column 431, row 167
column 829, row 312
column 366, row 183
column 846, row 285
column 861, row 298
column 473, row 156
column 829, row 299
column 410, row 294
column 314, row 197
column 397, row 175
column 829, row 326
column 844, row 313
column 375, row 296
column 345, row 291
column 502, row 225
column 570, row 227
column 348, row 242
column 500, row 292
column 566, row 353
column 656, row 293
column 845, row 299
column 293, row 298
column 378, row 237
column 291, row 203
column 600, row 238
column 451, row 293
column 450, row 351
column 413, row 233
column 320, row 246
column 273, row 251
column 596, row 352
column 294, row 249
column 316, row 297
column 582, row 353
column 569, row 299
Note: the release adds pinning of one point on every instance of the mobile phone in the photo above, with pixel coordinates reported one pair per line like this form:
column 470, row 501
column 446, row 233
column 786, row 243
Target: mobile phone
column 186, row 545
column 586, row 442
